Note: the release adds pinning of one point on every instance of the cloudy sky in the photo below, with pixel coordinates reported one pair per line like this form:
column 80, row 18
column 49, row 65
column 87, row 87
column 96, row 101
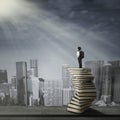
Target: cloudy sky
column 51, row 30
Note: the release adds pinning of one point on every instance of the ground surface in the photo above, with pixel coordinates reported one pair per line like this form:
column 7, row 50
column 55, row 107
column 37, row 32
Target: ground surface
column 57, row 113
column 21, row 110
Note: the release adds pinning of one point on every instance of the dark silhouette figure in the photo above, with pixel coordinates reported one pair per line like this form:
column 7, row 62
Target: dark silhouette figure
column 80, row 56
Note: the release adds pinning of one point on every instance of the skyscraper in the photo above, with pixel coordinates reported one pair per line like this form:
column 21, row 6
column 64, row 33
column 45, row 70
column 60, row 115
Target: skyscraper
column 33, row 90
column 67, row 95
column 34, row 67
column 66, row 76
column 5, row 93
column 5, row 88
column 13, row 90
column 14, row 82
column 107, row 84
column 53, row 93
column 42, row 89
column 115, row 63
column 97, row 71
column 13, row 94
column 3, row 76
column 21, row 74
column 116, row 85
column 67, row 91
column 115, row 81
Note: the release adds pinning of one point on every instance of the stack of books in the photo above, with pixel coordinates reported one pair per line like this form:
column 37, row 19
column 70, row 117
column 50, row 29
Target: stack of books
column 84, row 88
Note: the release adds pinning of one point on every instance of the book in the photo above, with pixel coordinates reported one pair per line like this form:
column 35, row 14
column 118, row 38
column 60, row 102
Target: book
column 79, row 70
column 82, row 83
column 79, row 103
column 81, row 87
column 85, row 97
column 76, row 110
column 85, row 90
column 89, row 82
column 83, row 76
column 84, row 86
column 86, row 94
column 83, row 80
column 78, row 107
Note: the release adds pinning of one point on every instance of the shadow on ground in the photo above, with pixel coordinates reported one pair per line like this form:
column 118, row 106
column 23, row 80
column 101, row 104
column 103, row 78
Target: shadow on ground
column 92, row 112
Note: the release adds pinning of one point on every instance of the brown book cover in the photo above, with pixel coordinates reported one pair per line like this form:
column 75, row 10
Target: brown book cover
column 70, row 105
column 93, row 94
column 85, row 97
column 78, row 103
column 81, row 101
column 86, row 90
column 74, row 110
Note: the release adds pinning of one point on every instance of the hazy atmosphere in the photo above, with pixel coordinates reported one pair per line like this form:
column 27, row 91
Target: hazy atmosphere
column 51, row 30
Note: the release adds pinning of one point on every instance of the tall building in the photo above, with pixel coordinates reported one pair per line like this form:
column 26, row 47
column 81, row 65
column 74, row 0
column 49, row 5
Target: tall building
column 97, row 71
column 41, row 83
column 33, row 90
column 66, row 76
column 116, row 85
column 5, row 93
column 13, row 90
column 3, row 76
column 21, row 75
column 67, row 95
column 115, row 63
column 13, row 94
column 115, row 81
column 14, row 82
column 42, row 90
column 53, row 93
column 5, row 88
column 107, row 84
column 33, row 85
column 67, row 86
column 34, row 67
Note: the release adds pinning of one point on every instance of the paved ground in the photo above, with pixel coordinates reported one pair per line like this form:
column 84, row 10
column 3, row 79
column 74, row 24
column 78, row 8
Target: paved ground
column 60, row 118
column 19, row 110
column 53, row 113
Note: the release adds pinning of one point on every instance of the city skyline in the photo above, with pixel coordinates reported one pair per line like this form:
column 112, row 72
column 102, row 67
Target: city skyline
column 28, row 89
column 9, row 77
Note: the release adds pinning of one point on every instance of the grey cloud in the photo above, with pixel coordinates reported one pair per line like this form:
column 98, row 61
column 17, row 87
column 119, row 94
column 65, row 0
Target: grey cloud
column 53, row 40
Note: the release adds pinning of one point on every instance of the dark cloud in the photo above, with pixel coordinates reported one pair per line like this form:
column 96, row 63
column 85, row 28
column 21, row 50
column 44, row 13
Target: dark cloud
column 69, row 4
column 110, row 4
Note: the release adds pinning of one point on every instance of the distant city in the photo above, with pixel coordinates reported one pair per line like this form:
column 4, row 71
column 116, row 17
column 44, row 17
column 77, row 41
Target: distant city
column 28, row 89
